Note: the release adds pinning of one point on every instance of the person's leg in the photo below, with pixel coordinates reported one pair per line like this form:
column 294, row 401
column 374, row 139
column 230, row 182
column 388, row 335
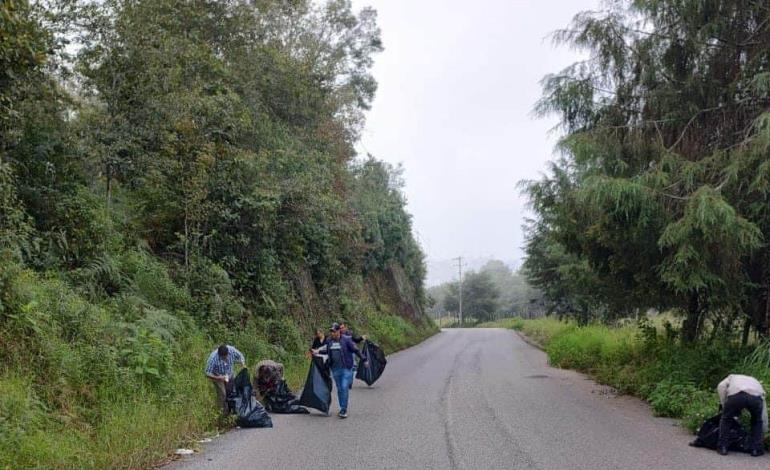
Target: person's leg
column 732, row 408
column 346, row 377
column 221, row 393
column 754, row 404
column 337, row 375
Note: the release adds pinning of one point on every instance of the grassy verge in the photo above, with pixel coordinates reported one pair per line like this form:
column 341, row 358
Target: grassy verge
column 678, row 381
column 117, row 382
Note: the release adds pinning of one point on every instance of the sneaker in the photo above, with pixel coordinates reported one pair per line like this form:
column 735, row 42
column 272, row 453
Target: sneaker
column 343, row 414
column 722, row 450
column 757, row 452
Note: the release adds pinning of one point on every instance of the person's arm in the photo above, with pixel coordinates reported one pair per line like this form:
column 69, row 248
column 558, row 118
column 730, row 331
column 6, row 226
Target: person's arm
column 357, row 352
column 323, row 347
column 238, row 356
column 209, row 371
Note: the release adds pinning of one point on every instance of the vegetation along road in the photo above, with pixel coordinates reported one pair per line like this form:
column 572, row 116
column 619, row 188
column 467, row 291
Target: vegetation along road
column 471, row 398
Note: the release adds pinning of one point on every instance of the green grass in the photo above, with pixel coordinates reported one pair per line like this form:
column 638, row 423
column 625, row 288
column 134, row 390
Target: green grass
column 677, row 380
column 117, row 382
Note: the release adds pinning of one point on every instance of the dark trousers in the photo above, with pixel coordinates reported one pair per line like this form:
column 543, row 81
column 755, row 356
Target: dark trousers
column 732, row 408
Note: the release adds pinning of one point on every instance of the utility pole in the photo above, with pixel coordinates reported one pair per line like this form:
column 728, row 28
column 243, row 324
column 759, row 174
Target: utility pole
column 459, row 260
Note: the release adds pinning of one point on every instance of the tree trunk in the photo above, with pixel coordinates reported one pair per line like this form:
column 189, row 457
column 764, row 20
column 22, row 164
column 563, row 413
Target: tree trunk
column 746, row 331
column 692, row 320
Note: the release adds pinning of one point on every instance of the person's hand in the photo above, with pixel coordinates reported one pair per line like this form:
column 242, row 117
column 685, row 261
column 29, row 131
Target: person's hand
column 366, row 338
column 315, row 351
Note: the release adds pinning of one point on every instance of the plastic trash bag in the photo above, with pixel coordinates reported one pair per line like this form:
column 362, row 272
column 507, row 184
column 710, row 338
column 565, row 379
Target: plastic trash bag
column 251, row 413
column 376, row 358
column 707, row 435
column 317, row 393
column 282, row 400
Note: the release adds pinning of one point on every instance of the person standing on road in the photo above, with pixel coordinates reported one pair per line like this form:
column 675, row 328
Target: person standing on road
column 356, row 339
column 341, row 350
column 738, row 393
column 219, row 369
column 318, row 341
column 348, row 332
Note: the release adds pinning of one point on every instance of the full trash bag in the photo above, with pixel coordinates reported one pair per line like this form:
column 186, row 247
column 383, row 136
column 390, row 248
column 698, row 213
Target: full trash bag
column 708, row 435
column 318, row 387
column 376, row 358
column 251, row 414
column 282, row 400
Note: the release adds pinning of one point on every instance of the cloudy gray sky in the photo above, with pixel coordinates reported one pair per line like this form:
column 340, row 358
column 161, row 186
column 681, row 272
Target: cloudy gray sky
column 457, row 84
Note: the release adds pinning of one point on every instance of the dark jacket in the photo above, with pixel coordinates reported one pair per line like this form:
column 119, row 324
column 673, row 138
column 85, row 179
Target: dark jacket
column 356, row 339
column 347, row 347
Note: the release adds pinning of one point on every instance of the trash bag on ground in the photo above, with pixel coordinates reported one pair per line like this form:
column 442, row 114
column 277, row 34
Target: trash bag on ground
column 376, row 358
column 251, row 413
column 707, row 435
column 318, row 387
column 282, row 400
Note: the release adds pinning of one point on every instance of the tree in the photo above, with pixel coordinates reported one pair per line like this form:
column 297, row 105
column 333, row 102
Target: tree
column 480, row 296
column 661, row 194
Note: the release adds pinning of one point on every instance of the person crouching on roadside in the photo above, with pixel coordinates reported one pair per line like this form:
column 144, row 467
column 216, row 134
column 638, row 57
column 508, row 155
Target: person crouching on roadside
column 341, row 350
column 738, row 393
column 219, row 369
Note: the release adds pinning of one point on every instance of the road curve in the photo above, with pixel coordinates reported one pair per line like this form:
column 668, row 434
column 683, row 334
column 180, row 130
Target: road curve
column 471, row 399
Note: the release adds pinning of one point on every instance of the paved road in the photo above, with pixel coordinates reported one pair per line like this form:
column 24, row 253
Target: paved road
column 471, row 399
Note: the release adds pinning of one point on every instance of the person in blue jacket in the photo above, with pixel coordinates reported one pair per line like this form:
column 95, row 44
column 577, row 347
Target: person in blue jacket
column 341, row 350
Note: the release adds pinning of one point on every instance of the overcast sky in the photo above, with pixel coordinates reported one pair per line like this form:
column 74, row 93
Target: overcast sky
column 457, row 84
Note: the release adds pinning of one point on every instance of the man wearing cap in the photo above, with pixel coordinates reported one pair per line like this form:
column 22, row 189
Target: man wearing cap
column 341, row 350
column 219, row 369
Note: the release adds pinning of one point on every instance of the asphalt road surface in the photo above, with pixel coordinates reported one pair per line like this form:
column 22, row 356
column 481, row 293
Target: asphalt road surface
column 471, row 399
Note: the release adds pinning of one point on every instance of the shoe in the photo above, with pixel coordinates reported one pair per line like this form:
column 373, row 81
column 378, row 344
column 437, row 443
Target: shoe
column 343, row 414
column 757, row 452
column 722, row 450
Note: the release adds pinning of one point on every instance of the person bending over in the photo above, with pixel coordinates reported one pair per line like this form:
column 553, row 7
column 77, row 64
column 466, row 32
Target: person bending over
column 219, row 369
column 738, row 393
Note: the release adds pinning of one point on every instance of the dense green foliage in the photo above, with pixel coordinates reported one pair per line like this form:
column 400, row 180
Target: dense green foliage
column 678, row 380
column 175, row 174
column 494, row 291
column 660, row 198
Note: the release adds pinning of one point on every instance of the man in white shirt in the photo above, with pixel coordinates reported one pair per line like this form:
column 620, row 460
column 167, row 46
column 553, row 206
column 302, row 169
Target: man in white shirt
column 738, row 393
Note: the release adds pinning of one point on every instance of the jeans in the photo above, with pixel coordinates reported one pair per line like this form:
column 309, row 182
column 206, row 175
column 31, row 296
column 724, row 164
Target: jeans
column 343, row 377
column 733, row 407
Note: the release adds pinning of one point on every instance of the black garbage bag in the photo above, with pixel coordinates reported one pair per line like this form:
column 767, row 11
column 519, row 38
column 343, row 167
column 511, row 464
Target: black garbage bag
column 707, row 435
column 376, row 358
column 318, row 387
column 251, row 413
column 280, row 399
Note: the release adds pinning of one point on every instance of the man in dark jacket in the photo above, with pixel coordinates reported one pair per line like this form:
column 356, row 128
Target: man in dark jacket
column 341, row 350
